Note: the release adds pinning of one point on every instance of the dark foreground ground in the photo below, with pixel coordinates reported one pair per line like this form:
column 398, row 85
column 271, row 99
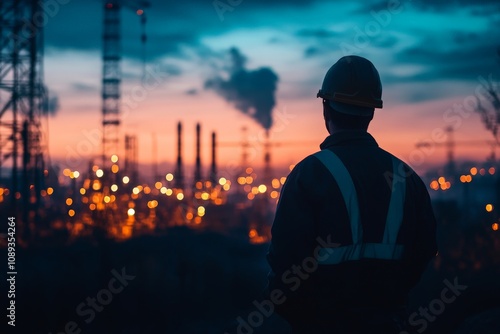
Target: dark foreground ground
column 188, row 282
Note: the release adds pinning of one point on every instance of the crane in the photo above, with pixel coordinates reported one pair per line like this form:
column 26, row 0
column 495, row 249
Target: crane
column 23, row 97
column 111, row 72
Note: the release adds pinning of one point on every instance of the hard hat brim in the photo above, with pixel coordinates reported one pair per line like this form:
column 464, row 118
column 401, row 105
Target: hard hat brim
column 350, row 109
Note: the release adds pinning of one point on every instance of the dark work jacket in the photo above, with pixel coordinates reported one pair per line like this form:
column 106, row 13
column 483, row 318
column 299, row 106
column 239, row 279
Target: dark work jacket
column 311, row 213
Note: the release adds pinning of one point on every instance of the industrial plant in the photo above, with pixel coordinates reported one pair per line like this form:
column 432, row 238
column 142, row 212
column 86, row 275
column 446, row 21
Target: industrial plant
column 110, row 197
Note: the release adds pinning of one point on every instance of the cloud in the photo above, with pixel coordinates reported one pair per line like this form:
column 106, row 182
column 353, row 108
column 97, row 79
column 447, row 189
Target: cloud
column 483, row 7
column 464, row 62
column 192, row 91
column 251, row 91
column 311, row 51
column 316, row 33
column 81, row 87
column 171, row 25
column 52, row 105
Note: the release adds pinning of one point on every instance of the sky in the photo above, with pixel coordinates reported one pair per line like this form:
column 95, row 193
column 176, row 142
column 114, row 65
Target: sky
column 258, row 64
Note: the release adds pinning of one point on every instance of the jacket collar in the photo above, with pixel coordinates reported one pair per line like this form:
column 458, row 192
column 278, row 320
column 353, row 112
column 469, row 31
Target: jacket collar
column 348, row 138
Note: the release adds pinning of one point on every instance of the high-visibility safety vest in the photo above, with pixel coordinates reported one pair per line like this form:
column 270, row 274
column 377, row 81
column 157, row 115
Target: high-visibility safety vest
column 387, row 249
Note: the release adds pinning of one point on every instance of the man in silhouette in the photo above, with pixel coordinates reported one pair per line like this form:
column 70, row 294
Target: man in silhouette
column 354, row 227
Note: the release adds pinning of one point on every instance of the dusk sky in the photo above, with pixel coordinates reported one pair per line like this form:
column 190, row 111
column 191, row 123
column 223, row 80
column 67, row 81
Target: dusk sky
column 430, row 55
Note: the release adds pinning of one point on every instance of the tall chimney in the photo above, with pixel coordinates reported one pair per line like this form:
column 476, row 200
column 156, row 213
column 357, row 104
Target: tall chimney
column 267, row 159
column 179, row 177
column 197, row 171
column 213, row 168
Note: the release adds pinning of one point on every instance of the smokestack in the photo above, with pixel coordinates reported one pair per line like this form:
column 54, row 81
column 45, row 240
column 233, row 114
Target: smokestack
column 197, row 171
column 213, row 168
column 267, row 158
column 179, row 177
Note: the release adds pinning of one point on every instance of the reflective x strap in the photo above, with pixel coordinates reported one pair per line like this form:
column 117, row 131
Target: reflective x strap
column 344, row 181
column 360, row 251
column 396, row 205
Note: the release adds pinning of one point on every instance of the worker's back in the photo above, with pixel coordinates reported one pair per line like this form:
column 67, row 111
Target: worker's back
column 354, row 227
column 313, row 203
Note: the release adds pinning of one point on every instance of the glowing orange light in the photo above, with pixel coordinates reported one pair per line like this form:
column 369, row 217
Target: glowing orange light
column 434, row 185
column 274, row 194
column 494, row 226
column 468, row 178
column 250, row 196
column 473, row 170
column 208, row 184
column 241, row 180
column 83, row 191
column 275, row 183
column 253, row 233
column 158, row 185
column 441, row 180
column 197, row 220
column 69, row 201
column 227, row 186
column 201, row 211
column 66, row 172
column 92, row 207
column 249, row 180
column 189, row 216
column 71, row 213
column 115, row 169
column 489, row 207
column 283, row 180
column 491, row 170
column 291, row 167
column 96, row 185
column 249, row 170
column 50, row 191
